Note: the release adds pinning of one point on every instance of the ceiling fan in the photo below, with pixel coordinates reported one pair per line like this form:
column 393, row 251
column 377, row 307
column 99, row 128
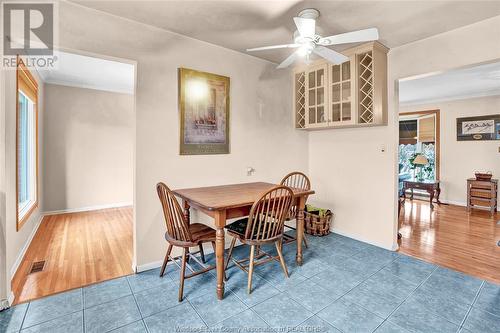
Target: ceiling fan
column 307, row 42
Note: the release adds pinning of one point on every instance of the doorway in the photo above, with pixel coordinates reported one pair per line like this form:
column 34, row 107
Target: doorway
column 87, row 134
column 448, row 234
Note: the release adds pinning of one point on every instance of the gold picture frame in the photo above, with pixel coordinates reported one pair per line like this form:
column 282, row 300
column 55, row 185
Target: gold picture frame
column 204, row 112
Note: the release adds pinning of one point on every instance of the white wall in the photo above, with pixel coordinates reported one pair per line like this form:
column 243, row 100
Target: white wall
column 17, row 241
column 261, row 130
column 88, row 148
column 460, row 159
column 347, row 168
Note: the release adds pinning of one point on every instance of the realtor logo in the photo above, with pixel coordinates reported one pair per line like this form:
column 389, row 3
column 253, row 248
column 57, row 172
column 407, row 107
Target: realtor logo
column 29, row 30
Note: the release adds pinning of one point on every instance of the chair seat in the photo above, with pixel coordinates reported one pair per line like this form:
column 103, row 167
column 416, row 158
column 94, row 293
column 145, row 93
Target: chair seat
column 238, row 227
column 202, row 233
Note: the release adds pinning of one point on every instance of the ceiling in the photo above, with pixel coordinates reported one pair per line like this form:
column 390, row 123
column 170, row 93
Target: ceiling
column 92, row 73
column 476, row 81
column 239, row 25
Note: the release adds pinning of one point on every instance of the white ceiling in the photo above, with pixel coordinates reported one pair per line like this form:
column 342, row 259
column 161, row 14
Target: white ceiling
column 92, row 73
column 239, row 25
column 476, row 81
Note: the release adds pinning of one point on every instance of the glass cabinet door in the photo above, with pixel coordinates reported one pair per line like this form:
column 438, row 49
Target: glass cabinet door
column 341, row 92
column 316, row 96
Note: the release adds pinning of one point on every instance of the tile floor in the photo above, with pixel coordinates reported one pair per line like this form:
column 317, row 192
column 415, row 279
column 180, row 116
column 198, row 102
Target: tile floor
column 343, row 286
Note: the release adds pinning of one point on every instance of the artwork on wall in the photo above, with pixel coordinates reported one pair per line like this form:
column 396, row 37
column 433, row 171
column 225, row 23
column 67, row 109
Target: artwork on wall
column 204, row 112
column 478, row 128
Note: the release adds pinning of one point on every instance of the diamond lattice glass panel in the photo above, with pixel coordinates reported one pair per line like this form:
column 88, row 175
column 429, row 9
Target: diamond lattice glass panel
column 320, row 78
column 321, row 114
column 346, row 91
column 312, row 79
column 312, row 97
column 336, row 112
column 346, row 111
column 335, row 73
column 312, row 115
column 336, row 92
column 321, row 95
column 346, row 71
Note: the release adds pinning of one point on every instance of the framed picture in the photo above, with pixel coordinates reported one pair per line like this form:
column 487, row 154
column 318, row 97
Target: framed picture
column 478, row 128
column 204, row 112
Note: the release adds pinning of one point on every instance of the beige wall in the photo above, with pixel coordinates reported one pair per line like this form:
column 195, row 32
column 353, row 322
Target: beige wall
column 88, row 148
column 16, row 241
column 261, row 122
column 460, row 159
column 3, row 248
column 350, row 173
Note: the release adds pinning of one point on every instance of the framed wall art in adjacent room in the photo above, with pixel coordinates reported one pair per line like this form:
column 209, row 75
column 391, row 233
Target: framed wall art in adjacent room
column 478, row 128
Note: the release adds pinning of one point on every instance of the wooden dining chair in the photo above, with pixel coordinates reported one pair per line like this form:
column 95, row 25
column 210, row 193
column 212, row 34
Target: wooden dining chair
column 296, row 180
column 264, row 225
column 183, row 234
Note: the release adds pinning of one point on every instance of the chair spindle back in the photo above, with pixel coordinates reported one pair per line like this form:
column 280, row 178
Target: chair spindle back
column 296, row 180
column 267, row 216
column 177, row 226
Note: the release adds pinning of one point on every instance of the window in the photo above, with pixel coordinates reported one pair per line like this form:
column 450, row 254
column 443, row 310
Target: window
column 27, row 144
column 419, row 135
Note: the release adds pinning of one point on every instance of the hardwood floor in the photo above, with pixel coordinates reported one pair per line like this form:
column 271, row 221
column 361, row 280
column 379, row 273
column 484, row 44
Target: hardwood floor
column 451, row 237
column 79, row 249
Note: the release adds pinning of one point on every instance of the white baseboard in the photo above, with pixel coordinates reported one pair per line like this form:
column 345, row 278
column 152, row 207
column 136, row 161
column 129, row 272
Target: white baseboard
column 455, row 203
column 89, row 208
column 148, row 266
column 426, row 198
column 7, row 302
column 4, row 304
column 20, row 257
column 11, row 298
column 391, row 248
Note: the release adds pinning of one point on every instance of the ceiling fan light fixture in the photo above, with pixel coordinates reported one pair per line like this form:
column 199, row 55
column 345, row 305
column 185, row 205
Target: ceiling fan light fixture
column 306, row 49
column 308, row 42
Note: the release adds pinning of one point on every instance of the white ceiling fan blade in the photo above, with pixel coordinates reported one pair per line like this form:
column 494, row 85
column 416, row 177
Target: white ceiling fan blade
column 351, row 37
column 288, row 61
column 330, row 55
column 305, row 26
column 272, row 47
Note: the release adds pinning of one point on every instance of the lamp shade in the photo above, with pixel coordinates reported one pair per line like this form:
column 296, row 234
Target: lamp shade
column 420, row 160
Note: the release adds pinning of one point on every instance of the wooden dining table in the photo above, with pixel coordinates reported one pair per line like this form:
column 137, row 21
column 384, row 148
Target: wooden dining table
column 232, row 201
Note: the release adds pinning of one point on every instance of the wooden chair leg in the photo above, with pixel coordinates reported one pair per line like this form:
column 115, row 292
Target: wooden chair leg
column 230, row 253
column 305, row 241
column 202, row 254
column 165, row 261
column 183, row 271
column 282, row 260
column 250, row 268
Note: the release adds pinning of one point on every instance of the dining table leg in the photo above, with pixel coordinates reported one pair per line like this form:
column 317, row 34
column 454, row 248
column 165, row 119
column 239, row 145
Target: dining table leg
column 300, row 228
column 220, row 222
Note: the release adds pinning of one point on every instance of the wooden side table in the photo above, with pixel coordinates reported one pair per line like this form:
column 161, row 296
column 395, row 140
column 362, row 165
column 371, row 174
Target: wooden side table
column 431, row 186
column 482, row 193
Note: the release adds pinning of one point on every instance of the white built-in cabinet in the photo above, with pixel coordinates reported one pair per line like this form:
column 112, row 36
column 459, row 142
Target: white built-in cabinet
column 351, row 94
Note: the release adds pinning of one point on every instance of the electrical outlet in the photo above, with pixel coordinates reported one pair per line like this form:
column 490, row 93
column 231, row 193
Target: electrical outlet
column 250, row 171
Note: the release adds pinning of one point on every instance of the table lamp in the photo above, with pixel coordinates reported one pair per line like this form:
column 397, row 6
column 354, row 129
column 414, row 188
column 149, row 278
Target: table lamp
column 420, row 161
